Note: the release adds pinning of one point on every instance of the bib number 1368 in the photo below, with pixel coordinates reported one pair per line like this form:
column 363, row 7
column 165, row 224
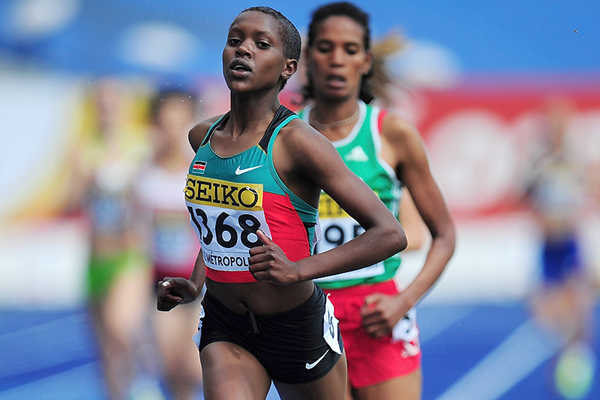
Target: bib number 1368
column 223, row 230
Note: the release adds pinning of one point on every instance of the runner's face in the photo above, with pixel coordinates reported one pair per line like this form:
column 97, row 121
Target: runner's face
column 253, row 56
column 174, row 117
column 337, row 60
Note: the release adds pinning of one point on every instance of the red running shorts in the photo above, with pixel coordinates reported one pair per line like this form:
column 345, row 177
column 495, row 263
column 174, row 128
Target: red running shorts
column 371, row 361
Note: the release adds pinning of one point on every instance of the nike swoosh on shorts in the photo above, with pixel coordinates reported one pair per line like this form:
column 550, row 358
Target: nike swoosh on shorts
column 314, row 364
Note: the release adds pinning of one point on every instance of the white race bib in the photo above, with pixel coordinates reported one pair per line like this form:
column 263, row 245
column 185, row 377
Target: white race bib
column 226, row 216
column 335, row 232
column 198, row 335
column 331, row 328
column 406, row 329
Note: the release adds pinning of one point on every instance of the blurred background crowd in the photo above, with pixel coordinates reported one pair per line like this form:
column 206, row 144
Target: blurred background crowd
column 97, row 96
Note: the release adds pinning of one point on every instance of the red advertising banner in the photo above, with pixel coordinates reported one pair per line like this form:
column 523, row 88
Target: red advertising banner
column 482, row 140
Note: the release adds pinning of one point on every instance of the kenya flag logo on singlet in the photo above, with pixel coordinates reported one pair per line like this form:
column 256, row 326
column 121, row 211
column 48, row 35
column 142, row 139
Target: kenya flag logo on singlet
column 199, row 167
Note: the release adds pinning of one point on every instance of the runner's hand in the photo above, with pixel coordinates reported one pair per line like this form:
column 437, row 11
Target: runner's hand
column 269, row 263
column 381, row 313
column 174, row 291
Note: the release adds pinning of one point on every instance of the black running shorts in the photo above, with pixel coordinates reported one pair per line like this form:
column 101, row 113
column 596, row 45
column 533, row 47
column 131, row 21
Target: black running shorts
column 292, row 346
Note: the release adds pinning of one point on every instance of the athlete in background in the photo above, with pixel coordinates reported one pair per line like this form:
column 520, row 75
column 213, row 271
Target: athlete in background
column 558, row 191
column 112, row 145
column 377, row 319
column 171, row 244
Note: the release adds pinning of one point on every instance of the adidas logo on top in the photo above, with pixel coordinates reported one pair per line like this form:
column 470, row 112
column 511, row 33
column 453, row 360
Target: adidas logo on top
column 357, row 154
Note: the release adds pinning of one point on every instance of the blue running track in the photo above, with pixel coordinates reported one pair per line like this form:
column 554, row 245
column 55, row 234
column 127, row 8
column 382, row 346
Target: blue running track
column 470, row 352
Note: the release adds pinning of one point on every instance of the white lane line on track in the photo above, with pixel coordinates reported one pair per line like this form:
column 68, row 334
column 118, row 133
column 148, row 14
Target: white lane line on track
column 435, row 320
column 515, row 358
column 44, row 345
column 81, row 383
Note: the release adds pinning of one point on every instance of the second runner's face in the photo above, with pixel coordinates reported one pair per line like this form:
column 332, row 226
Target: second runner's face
column 253, row 56
column 337, row 60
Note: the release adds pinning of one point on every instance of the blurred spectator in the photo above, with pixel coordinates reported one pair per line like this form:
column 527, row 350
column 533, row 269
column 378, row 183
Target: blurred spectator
column 171, row 242
column 104, row 168
column 558, row 189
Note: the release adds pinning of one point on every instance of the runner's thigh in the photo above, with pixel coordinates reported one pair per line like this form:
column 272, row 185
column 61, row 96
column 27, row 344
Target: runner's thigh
column 232, row 373
column 406, row 387
column 332, row 386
